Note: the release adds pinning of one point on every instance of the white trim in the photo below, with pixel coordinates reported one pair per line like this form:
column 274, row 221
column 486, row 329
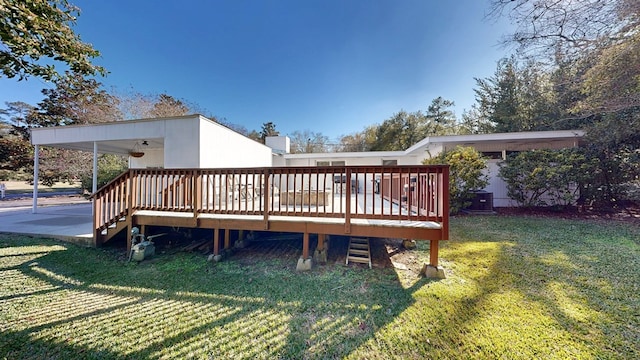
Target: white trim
column 36, row 166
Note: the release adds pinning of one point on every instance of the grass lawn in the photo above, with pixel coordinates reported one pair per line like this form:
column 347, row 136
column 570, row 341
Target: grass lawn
column 20, row 187
column 516, row 287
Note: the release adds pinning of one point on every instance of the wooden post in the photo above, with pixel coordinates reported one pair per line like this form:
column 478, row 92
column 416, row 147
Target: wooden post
column 266, row 195
column 433, row 253
column 227, row 239
column 196, row 182
column 216, row 242
column 320, row 242
column 129, row 238
column 305, row 246
column 97, row 215
column 445, row 203
column 347, row 219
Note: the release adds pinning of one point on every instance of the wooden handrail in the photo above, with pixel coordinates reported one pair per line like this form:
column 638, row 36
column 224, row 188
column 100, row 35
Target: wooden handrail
column 413, row 193
column 117, row 179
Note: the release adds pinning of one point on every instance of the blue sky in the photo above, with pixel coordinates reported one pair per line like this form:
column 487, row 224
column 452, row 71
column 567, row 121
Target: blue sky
column 327, row 66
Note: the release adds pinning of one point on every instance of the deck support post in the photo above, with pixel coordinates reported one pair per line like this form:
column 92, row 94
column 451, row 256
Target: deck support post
column 320, row 255
column 432, row 270
column 227, row 239
column 433, row 252
column 129, row 237
column 216, row 245
column 239, row 243
column 304, row 262
column 305, row 245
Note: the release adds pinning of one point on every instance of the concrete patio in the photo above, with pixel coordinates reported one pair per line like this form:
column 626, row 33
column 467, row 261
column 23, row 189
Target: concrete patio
column 70, row 222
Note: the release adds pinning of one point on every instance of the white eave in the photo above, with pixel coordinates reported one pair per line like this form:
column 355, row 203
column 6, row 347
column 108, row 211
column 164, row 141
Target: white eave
column 349, row 155
column 113, row 137
column 503, row 139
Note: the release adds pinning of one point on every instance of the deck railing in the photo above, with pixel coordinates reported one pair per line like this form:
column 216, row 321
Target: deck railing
column 413, row 193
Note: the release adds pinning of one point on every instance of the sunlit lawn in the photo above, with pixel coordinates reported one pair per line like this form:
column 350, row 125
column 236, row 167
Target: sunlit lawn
column 516, row 288
column 21, row 187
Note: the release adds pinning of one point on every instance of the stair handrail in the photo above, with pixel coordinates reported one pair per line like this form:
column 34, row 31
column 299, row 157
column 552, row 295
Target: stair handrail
column 107, row 185
column 108, row 205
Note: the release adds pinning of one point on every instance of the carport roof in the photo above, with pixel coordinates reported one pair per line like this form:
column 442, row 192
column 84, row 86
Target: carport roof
column 113, row 137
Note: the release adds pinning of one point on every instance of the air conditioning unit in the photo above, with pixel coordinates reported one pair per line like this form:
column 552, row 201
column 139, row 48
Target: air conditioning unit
column 482, row 201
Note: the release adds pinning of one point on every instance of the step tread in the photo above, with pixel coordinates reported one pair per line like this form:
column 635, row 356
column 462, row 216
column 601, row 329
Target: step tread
column 359, row 252
column 359, row 246
column 359, row 259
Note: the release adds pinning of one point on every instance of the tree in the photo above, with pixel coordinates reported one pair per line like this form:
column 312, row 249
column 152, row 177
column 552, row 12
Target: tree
column 400, row 131
column 573, row 27
column 308, row 142
column 547, row 177
column 166, row 106
column 518, row 98
column 36, row 29
column 268, row 129
column 134, row 105
column 602, row 36
column 109, row 167
column 440, row 118
column 475, row 121
column 15, row 149
column 76, row 100
column 359, row 141
column 466, row 174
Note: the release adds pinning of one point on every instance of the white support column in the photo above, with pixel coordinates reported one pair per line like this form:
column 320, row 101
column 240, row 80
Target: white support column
column 36, row 164
column 95, row 167
column 94, row 186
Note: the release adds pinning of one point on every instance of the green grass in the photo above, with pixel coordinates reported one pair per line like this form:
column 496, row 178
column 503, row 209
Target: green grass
column 21, row 187
column 516, row 288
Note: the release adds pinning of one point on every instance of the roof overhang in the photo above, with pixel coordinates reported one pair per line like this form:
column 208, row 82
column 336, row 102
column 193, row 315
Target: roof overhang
column 111, row 138
column 346, row 155
column 502, row 140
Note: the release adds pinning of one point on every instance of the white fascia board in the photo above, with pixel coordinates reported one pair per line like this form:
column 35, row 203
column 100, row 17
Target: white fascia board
column 339, row 155
column 119, row 130
column 513, row 136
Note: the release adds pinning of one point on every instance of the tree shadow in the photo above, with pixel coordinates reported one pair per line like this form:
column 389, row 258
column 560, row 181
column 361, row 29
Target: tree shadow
column 567, row 289
column 92, row 305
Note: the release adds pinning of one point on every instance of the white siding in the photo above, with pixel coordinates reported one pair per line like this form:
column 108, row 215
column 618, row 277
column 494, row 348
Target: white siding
column 181, row 143
column 151, row 159
column 497, row 186
column 225, row 148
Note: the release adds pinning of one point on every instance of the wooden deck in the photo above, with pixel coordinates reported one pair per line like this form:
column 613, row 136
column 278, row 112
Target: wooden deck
column 365, row 201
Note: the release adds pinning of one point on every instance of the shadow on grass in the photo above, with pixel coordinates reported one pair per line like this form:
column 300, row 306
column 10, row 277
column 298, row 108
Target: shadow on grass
column 560, row 288
column 66, row 301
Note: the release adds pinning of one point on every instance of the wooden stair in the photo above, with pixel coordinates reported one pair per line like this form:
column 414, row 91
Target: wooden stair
column 359, row 251
column 115, row 227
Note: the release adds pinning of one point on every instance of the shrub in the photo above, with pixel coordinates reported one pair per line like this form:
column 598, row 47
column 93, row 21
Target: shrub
column 466, row 174
column 546, row 177
column 109, row 167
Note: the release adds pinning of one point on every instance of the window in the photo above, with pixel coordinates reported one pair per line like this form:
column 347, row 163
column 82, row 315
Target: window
column 389, row 162
column 492, row 154
column 330, row 163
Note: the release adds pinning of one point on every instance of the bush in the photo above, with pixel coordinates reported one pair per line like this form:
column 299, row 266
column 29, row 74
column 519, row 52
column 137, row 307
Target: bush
column 109, row 167
column 466, row 174
column 546, row 177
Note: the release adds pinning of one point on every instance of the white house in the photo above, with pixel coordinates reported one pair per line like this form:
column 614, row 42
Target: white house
column 494, row 146
column 196, row 142
column 177, row 142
